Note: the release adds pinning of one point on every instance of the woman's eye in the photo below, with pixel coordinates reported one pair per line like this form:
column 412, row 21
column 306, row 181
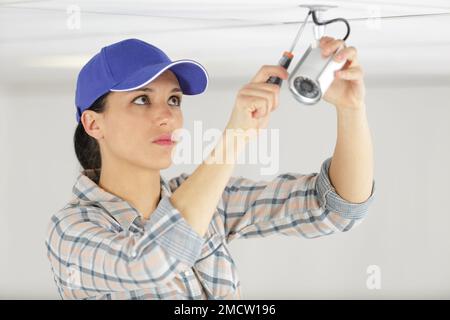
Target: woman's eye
column 177, row 98
column 141, row 100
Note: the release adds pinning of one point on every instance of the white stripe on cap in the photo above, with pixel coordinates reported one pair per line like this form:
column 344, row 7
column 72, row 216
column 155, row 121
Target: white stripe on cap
column 164, row 69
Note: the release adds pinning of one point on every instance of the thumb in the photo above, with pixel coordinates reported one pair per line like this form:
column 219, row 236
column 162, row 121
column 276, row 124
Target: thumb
column 268, row 71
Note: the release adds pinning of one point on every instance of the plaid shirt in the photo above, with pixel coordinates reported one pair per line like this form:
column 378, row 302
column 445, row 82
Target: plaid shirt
column 100, row 248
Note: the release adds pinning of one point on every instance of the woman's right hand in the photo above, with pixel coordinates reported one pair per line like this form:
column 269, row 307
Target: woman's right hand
column 255, row 101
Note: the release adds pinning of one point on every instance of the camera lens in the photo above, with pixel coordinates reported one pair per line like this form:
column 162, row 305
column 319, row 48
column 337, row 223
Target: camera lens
column 306, row 87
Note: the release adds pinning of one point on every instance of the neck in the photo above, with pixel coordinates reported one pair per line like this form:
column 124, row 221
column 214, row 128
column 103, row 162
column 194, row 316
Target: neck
column 140, row 187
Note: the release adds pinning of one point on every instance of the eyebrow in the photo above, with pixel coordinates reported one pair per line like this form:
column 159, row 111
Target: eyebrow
column 176, row 89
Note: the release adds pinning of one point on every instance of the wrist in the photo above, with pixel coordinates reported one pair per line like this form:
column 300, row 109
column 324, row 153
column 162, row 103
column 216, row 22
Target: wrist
column 351, row 119
column 357, row 109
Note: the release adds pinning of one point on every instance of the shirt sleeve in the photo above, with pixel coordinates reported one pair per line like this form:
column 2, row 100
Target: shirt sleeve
column 87, row 254
column 305, row 205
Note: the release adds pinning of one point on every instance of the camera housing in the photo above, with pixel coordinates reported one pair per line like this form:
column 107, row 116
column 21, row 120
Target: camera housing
column 313, row 74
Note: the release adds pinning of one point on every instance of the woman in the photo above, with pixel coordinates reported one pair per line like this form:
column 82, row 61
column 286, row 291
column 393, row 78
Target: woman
column 129, row 233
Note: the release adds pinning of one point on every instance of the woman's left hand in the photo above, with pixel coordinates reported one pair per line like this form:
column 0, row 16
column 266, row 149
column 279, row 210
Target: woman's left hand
column 347, row 91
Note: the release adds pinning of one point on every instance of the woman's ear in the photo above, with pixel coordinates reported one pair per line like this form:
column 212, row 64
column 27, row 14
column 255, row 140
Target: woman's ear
column 92, row 123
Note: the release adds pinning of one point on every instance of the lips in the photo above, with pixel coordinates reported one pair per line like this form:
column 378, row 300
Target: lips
column 164, row 142
column 164, row 139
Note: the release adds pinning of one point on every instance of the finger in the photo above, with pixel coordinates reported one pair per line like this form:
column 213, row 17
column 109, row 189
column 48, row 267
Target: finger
column 272, row 87
column 272, row 90
column 324, row 40
column 269, row 96
column 331, row 46
column 268, row 71
column 349, row 54
column 354, row 73
column 257, row 104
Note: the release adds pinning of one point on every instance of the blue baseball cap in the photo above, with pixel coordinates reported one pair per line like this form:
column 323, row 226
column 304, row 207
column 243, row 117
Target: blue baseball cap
column 130, row 64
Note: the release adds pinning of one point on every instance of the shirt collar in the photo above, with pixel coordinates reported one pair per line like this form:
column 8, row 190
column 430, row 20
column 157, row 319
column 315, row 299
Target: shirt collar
column 87, row 191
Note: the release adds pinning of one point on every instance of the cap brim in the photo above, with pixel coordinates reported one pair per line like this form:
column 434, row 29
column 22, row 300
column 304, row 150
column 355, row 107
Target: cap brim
column 191, row 75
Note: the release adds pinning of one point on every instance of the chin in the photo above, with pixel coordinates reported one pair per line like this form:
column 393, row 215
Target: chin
column 167, row 165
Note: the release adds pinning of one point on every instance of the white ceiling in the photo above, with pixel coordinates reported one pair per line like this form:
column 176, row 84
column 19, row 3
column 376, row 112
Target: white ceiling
column 399, row 39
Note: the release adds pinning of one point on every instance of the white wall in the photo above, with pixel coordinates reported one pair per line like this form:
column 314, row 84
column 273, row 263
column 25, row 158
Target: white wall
column 406, row 232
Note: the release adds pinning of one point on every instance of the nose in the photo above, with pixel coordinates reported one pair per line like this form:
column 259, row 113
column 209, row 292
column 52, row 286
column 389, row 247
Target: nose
column 163, row 114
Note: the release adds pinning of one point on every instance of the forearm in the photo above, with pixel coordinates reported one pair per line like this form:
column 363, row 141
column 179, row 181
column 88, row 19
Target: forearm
column 351, row 168
column 197, row 197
